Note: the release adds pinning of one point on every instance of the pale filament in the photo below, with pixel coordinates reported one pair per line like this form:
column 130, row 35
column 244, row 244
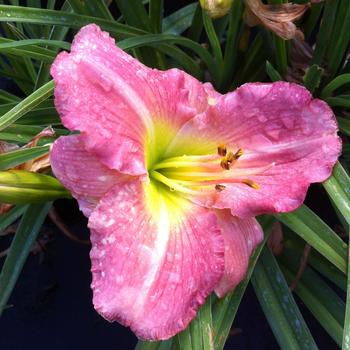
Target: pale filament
column 204, row 174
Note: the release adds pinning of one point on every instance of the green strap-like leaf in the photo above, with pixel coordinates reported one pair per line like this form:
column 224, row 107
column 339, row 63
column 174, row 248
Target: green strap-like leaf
column 325, row 32
column 152, row 39
column 51, row 17
column 27, row 104
column 344, row 125
column 336, row 83
column 9, row 44
column 316, row 294
column 339, row 101
column 12, row 159
column 179, row 21
column 11, row 216
column 318, row 234
column 231, row 48
column 346, row 332
column 25, row 236
column 272, row 72
column 338, row 188
column 279, row 306
column 214, row 43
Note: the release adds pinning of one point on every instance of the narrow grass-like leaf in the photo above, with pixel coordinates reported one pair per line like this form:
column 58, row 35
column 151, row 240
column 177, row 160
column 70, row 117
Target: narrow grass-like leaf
column 195, row 332
column 253, row 59
column 16, row 48
column 11, row 216
column 344, row 125
column 156, row 8
column 21, row 187
column 153, row 39
column 336, row 83
column 52, row 17
column 55, row 33
column 318, row 297
column 312, row 20
column 134, row 12
column 312, row 78
column 272, row 72
column 318, row 262
column 31, row 42
column 180, row 20
column 337, row 48
column 338, row 188
column 279, row 306
column 25, row 236
column 8, row 97
column 206, row 323
column 12, row 159
column 25, row 133
column 144, row 345
column 163, row 345
column 346, row 332
column 26, row 105
column 339, row 101
column 195, row 31
column 231, row 47
column 214, row 41
column 325, row 32
column 318, row 234
column 184, row 340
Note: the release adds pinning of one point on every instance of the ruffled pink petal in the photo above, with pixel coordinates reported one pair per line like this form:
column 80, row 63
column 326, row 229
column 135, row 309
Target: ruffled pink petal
column 149, row 272
column 81, row 172
column 114, row 100
column 289, row 140
column 241, row 237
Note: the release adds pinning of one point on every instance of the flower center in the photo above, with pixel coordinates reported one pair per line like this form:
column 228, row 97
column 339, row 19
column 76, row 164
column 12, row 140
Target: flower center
column 201, row 174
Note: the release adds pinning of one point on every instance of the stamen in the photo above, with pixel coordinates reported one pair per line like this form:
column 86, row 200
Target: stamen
column 230, row 158
column 174, row 185
column 222, row 150
column 219, row 187
column 184, row 164
column 225, row 164
column 239, row 153
column 251, row 184
column 220, row 176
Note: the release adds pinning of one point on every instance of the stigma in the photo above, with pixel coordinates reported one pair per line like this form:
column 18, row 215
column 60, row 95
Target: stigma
column 202, row 174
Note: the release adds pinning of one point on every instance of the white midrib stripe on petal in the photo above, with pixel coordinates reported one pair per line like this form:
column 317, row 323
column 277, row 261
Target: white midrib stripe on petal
column 158, row 252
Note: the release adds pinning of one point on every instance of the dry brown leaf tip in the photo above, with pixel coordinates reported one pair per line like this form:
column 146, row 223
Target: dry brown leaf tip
column 278, row 18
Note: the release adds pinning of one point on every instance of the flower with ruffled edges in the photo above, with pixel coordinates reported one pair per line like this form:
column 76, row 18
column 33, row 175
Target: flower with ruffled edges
column 171, row 173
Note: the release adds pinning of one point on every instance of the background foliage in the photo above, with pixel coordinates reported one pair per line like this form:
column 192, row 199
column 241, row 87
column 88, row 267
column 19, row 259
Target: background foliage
column 228, row 53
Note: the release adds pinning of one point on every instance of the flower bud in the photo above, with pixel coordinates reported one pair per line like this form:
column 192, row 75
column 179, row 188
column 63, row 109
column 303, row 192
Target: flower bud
column 216, row 8
column 21, row 187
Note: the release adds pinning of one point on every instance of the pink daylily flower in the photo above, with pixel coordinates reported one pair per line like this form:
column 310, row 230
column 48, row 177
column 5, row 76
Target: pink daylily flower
column 171, row 173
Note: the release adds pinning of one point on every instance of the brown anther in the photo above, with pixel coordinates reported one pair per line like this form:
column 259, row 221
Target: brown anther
column 222, row 150
column 239, row 153
column 251, row 184
column 219, row 187
column 225, row 164
column 230, row 157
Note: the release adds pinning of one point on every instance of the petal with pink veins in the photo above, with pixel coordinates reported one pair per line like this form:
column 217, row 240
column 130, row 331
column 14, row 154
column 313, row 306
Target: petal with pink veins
column 289, row 141
column 152, row 266
column 241, row 237
column 114, row 100
column 81, row 172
